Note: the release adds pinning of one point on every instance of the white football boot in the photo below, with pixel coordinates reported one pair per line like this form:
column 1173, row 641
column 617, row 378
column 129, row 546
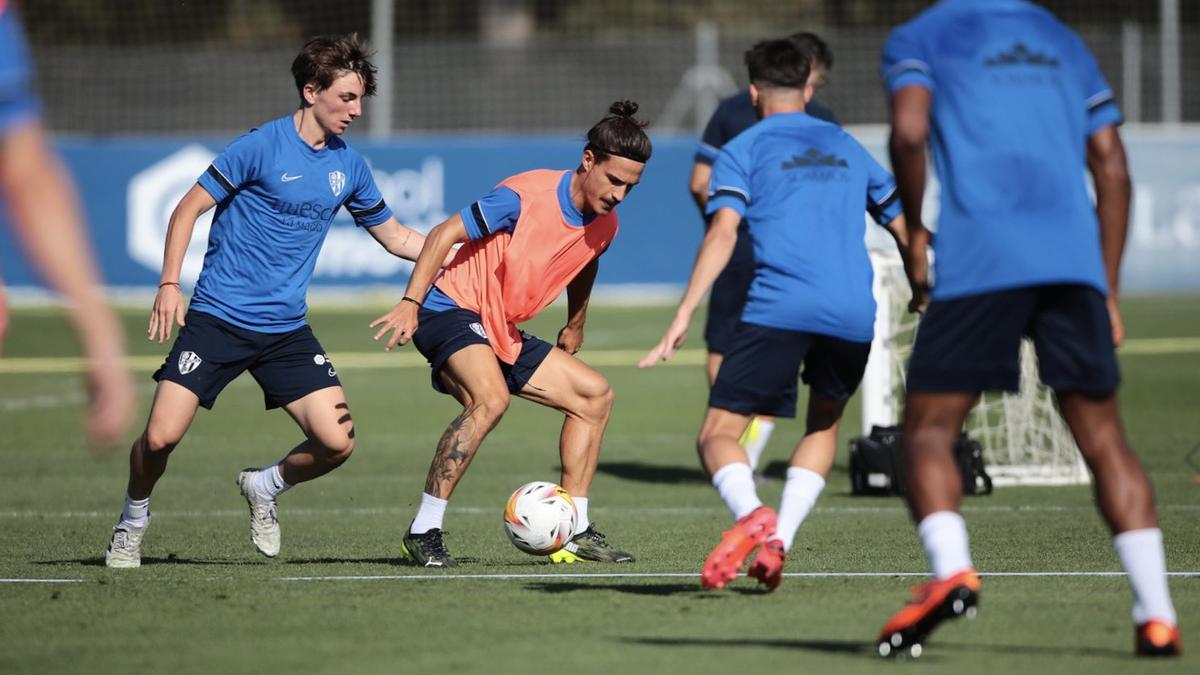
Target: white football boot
column 264, row 521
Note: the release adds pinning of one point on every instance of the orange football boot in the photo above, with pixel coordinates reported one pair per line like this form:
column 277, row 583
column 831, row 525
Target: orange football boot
column 1157, row 638
column 933, row 602
column 767, row 566
column 737, row 542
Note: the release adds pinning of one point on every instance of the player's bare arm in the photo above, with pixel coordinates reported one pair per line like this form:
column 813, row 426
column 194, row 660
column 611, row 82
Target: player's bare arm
column 1110, row 172
column 906, row 146
column 698, row 184
column 579, row 293
column 169, row 306
column 715, row 251
column 401, row 241
column 401, row 320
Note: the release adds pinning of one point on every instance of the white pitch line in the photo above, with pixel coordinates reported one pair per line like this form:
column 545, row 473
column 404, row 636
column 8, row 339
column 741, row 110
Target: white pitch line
column 41, row 581
column 660, row 511
column 681, row 575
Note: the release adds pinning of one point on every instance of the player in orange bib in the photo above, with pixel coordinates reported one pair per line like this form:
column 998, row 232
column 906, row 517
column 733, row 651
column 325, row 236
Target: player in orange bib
column 534, row 235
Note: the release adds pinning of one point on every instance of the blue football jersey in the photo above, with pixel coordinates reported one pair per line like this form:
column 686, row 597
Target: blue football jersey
column 1016, row 94
column 18, row 102
column 802, row 186
column 276, row 199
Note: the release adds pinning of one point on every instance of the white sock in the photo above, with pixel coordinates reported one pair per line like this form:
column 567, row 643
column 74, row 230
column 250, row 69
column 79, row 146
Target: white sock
column 1141, row 554
column 944, row 536
column 735, row 484
column 136, row 513
column 755, row 439
column 268, row 483
column 800, row 493
column 430, row 515
column 581, row 506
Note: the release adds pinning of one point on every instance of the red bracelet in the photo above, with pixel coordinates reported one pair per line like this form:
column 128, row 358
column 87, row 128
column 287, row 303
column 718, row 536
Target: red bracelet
column 169, row 283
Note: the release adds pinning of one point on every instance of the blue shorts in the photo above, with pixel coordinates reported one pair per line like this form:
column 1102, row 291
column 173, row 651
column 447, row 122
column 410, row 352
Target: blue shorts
column 440, row 334
column 758, row 375
column 209, row 353
column 728, row 296
column 972, row 344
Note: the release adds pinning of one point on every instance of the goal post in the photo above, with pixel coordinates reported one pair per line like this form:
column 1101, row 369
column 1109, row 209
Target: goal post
column 1024, row 439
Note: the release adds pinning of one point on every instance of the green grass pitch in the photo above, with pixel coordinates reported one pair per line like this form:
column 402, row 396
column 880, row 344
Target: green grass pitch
column 204, row 601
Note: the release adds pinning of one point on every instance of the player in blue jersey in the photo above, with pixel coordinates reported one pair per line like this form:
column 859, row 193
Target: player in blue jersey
column 801, row 186
column 734, row 115
column 276, row 191
column 1013, row 104
column 43, row 211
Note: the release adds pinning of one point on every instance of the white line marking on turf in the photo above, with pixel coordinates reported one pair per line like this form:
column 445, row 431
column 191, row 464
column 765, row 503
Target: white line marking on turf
column 681, row 575
column 595, row 357
column 663, row 510
column 41, row 581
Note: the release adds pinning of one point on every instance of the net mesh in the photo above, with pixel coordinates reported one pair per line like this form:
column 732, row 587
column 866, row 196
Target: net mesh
column 1024, row 439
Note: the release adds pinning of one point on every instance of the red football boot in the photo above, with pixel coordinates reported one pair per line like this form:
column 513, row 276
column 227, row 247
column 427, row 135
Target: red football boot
column 1157, row 638
column 933, row 602
column 736, row 543
column 768, row 564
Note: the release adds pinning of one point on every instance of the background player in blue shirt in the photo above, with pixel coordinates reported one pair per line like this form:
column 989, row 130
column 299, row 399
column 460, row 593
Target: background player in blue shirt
column 276, row 191
column 802, row 186
column 1011, row 101
column 43, row 211
column 734, row 115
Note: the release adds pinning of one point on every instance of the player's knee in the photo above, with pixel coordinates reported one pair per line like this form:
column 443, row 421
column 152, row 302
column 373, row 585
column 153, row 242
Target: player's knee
column 491, row 406
column 160, row 440
column 338, row 447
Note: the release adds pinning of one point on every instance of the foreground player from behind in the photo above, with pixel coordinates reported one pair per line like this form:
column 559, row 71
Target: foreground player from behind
column 1019, row 252
column 44, row 213
column 801, row 185
column 734, row 115
column 277, row 190
column 536, row 234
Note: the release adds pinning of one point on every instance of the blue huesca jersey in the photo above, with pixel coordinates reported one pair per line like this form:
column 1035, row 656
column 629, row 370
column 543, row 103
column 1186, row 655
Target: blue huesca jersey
column 276, row 198
column 735, row 114
column 1016, row 94
column 18, row 102
column 801, row 186
column 497, row 212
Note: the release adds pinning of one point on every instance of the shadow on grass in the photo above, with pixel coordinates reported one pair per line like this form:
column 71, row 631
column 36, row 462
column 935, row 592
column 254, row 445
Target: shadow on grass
column 828, row 646
column 653, row 473
column 349, row 561
column 632, row 589
column 172, row 559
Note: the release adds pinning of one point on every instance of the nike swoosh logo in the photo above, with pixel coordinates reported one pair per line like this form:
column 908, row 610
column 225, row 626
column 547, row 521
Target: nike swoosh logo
column 287, row 179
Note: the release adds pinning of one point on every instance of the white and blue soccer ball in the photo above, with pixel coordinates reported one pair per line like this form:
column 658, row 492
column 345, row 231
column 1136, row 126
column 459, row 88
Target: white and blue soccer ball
column 540, row 517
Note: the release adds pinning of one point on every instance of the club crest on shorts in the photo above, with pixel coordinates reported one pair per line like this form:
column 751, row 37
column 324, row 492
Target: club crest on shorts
column 478, row 329
column 188, row 361
column 320, row 359
column 337, row 181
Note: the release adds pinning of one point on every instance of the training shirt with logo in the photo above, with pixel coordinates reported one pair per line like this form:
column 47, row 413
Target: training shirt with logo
column 276, row 199
column 801, row 185
column 1016, row 94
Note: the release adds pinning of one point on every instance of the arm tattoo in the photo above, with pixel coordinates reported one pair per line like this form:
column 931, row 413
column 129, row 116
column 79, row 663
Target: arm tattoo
column 453, row 450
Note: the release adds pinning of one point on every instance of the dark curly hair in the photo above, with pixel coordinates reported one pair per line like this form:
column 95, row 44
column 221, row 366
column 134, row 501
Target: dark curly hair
column 620, row 134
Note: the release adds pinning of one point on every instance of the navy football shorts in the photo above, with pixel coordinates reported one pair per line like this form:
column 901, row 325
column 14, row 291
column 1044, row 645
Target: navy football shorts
column 210, row 352
column 759, row 373
column 972, row 344
column 728, row 296
column 441, row 334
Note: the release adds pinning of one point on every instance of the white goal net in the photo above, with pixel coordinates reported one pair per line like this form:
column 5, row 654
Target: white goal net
column 1025, row 441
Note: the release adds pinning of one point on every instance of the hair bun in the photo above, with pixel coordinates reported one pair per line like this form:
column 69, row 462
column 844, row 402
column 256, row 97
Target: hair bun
column 623, row 108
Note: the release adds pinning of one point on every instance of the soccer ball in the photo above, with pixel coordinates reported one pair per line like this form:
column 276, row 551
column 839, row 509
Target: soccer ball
column 540, row 517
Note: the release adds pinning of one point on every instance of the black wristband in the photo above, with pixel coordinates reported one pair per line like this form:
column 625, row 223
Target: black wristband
column 169, row 283
column 408, row 299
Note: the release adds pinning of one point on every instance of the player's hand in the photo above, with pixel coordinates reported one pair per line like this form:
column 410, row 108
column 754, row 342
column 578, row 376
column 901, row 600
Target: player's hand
column 168, row 310
column 112, row 402
column 670, row 343
column 570, row 340
column 401, row 321
column 920, row 299
column 1114, row 317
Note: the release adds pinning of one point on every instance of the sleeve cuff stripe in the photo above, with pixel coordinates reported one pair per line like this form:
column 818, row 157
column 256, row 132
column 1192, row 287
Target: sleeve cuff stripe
column 220, row 178
column 907, row 65
column 1099, row 99
column 374, row 210
column 887, row 199
column 480, row 220
column 727, row 191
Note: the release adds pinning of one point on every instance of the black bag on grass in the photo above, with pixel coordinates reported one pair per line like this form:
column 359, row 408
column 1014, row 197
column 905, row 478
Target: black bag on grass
column 877, row 463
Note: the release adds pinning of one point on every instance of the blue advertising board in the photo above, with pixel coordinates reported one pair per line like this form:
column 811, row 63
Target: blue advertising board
column 129, row 187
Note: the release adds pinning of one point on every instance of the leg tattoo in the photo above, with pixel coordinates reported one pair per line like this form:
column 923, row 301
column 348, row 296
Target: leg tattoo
column 453, row 450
